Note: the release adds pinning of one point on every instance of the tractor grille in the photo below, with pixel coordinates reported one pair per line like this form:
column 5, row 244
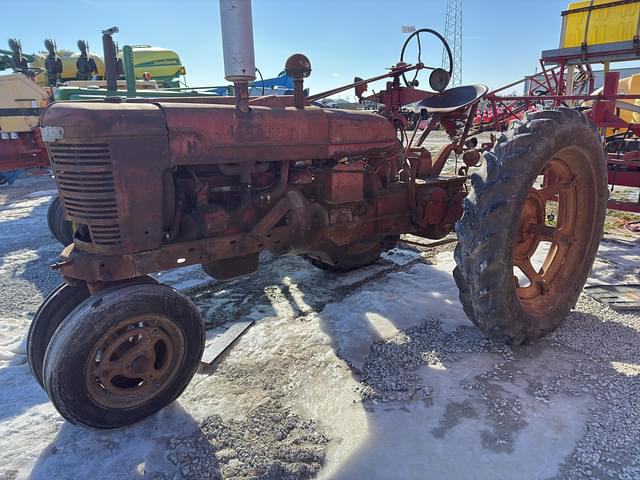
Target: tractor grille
column 85, row 179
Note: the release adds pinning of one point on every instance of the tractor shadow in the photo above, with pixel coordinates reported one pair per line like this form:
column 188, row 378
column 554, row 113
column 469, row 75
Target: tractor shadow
column 283, row 287
column 137, row 451
column 617, row 261
column 28, row 251
column 26, row 278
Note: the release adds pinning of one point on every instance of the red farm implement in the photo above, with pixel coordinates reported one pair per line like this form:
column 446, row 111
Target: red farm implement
column 567, row 79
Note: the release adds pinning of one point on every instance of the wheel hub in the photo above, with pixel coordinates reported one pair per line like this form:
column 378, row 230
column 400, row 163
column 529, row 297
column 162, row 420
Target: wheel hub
column 134, row 361
column 533, row 213
column 140, row 365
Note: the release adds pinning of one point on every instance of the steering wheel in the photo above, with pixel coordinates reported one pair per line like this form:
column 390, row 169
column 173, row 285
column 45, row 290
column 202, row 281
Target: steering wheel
column 437, row 80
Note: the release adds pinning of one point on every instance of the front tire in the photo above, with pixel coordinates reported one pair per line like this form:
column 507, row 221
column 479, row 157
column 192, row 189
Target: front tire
column 122, row 355
column 52, row 312
column 47, row 319
column 60, row 227
column 509, row 287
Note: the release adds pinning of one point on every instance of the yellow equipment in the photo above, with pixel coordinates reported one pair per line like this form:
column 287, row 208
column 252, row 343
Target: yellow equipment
column 69, row 69
column 162, row 64
column 626, row 86
column 630, row 86
column 17, row 91
column 608, row 22
column 158, row 62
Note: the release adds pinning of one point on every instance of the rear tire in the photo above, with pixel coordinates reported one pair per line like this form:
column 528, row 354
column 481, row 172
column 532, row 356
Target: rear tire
column 60, row 227
column 122, row 355
column 505, row 221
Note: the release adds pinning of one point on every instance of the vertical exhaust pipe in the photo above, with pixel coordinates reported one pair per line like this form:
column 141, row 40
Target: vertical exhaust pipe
column 110, row 54
column 237, row 47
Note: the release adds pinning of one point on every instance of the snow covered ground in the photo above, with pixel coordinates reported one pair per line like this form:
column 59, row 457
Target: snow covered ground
column 372, row 374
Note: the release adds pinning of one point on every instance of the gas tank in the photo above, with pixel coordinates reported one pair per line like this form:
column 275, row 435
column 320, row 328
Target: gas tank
column 201, row 134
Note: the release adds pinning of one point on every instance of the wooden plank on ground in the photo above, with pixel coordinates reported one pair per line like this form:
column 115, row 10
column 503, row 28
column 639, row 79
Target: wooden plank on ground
column 618, row 297
column 219, row 344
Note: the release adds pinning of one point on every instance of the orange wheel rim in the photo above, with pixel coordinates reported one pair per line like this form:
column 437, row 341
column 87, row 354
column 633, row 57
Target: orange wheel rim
column 546, row 231
column 134, row 361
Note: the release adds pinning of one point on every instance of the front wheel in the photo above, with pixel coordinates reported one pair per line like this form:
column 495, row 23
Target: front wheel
column 59, row 226
column 52, row 312
column 531, row 227
column 47, row 319
column 122, row 355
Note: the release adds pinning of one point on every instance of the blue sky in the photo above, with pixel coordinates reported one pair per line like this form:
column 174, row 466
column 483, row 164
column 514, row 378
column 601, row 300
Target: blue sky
column 502, row 39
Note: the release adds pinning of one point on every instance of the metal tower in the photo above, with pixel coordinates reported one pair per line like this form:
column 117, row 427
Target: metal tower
column 453, row 34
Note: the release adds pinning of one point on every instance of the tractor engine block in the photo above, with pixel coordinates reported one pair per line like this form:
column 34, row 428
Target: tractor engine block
column 155, row 186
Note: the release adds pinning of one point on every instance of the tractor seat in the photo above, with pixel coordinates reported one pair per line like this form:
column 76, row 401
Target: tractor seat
column 452, row 99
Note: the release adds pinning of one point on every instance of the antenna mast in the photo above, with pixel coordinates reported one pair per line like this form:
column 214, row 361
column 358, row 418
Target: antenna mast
column 453, row 34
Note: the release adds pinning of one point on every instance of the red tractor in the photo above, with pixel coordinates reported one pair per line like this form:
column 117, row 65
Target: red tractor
column 156, row 184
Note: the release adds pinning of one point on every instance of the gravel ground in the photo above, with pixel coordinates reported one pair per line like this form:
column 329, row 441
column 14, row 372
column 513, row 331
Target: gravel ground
column 271, row 442
column 601, row 351
column 372, row 374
